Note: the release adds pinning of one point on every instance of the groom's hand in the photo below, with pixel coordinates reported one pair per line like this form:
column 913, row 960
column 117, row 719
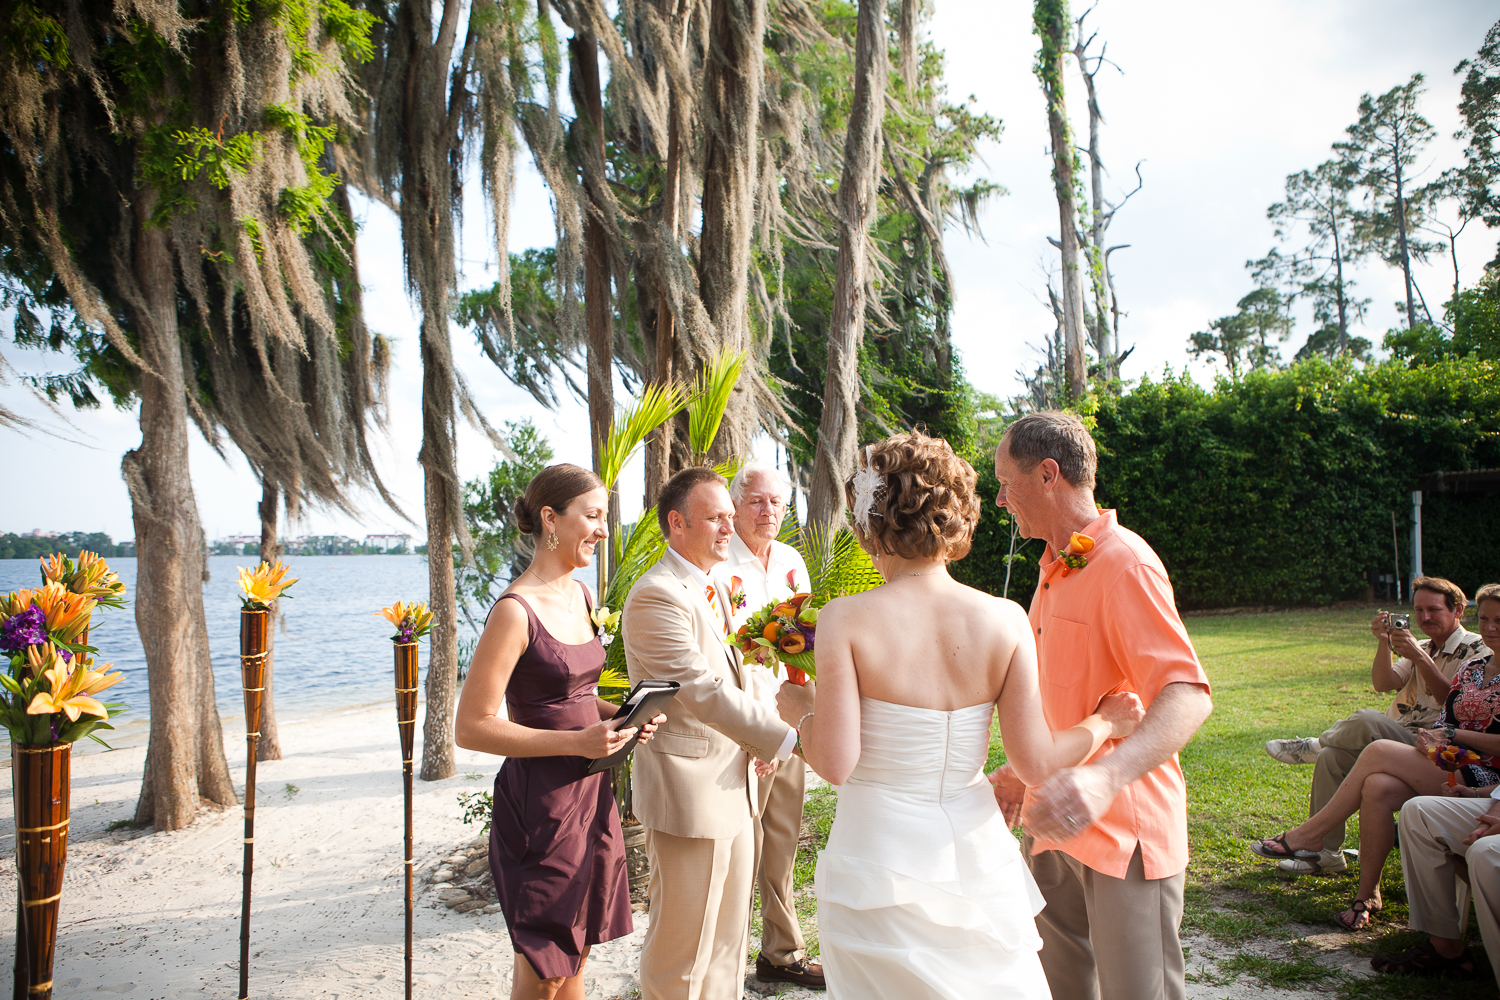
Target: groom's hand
column 1068, row 802
column 1010, row 793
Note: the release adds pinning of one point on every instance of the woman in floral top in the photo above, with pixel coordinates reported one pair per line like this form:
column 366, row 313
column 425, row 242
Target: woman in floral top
column 1473, row 706
column 1389, row 772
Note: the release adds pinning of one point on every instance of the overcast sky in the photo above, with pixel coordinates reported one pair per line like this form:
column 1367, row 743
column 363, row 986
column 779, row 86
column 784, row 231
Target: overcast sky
column 1219, row 102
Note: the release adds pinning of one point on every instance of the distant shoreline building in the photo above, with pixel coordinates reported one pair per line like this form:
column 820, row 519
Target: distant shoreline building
column 400, row 544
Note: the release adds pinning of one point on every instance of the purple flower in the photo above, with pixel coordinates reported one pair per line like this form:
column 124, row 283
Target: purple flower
column 408, row 635
column 29, row 628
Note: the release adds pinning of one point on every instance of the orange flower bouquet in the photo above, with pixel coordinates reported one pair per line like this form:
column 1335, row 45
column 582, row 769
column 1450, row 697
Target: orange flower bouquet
column 784, row 630
column 1450, row 757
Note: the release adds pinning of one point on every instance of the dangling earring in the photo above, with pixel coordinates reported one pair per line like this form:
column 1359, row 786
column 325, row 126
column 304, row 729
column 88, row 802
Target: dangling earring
column 552, row 542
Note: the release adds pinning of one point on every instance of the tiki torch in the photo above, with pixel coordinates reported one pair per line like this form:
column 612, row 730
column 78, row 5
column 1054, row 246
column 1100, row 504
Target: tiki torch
column 261, row 587
column 412, row 621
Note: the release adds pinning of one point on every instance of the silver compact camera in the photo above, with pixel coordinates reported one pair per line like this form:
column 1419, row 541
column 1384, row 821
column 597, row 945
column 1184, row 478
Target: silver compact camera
column 1394, row 621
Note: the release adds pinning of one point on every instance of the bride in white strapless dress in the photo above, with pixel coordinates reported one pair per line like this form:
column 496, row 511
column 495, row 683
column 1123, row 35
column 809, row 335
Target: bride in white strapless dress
column 922, row 890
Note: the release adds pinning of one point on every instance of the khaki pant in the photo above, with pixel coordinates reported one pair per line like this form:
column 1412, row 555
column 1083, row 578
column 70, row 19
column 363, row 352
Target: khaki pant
column 777, row 831
column 1115, row 938
column 1342, row 744
column 1433, row 828
column 700, row 916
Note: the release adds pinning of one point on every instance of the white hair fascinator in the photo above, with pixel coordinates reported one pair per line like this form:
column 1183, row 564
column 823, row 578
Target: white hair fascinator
column 869, row 490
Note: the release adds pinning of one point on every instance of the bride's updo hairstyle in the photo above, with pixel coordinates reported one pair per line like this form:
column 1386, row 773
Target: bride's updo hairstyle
column 556, row 486
column 929, row 505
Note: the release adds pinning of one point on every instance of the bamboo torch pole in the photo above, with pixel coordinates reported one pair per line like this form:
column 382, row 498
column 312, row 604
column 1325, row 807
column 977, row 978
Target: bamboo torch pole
column 406, row 723
column 254, row 633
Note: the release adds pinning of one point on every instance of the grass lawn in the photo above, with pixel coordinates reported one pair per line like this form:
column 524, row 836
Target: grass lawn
column 1274, row 675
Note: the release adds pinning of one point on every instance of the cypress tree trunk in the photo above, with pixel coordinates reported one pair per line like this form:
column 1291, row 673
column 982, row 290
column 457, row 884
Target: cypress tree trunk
column 659, row 447
column 838, row 432
column 185, row 752
column 1051, row 23
column 731, row 102
column 269, row 745
column 427, row 205
column 583, row 51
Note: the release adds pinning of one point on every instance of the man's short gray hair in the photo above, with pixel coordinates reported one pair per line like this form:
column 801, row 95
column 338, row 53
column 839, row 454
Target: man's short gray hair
column 1061, row 437
column 757, row 470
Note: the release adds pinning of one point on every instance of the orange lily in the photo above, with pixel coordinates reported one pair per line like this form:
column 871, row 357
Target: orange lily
column 67, row 613
column 415, row 617
column 264, row 584
column 66, row 692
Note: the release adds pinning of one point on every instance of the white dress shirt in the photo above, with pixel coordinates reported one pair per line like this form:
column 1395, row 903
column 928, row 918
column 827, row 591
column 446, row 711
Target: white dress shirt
column 784, row 574
column 753, row 686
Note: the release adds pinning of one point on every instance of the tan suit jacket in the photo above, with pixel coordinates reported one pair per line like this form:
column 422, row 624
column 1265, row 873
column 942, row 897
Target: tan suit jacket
column 695, row 777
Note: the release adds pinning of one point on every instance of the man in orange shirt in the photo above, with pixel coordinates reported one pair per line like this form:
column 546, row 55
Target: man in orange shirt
column 1106, row 841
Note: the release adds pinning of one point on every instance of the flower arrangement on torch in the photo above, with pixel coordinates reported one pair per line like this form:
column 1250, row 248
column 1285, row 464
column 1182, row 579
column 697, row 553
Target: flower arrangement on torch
column 49, row 682
column 413, row 621
column 263, row 585
column 784, row 630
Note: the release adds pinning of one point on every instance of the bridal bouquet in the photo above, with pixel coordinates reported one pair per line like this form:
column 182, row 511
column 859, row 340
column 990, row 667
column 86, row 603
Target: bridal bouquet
column 784, row 630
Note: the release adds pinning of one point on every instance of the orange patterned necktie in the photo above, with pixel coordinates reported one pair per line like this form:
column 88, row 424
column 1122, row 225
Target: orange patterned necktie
column 713, row 602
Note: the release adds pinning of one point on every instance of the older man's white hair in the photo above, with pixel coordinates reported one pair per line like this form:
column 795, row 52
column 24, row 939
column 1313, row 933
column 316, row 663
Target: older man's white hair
column 753, row 471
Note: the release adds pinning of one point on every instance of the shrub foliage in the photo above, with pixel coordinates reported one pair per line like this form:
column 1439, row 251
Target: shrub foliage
column 1280, row 488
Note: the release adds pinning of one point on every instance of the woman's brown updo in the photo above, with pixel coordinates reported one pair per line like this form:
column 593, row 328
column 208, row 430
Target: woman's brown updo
column 930, row 506
column 556, row 486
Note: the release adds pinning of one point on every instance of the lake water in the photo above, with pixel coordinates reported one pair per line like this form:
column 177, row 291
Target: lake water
column 334, row 653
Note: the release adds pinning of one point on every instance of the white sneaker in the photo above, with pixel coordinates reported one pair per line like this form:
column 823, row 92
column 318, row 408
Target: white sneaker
column 1302, row 750
column 1328, row 863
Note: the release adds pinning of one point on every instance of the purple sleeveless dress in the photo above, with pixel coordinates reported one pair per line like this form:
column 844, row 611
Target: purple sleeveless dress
column 556, row 851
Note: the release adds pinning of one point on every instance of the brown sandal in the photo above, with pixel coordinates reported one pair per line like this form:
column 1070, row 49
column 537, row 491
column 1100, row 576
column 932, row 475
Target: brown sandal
column 1363, row 913
column 1423, row 960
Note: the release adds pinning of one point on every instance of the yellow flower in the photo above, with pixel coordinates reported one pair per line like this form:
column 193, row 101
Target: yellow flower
column 95, row 579
column 264, row 584
column 412, row 621
column 56, row 568
column 604, row 618
column 69, row 689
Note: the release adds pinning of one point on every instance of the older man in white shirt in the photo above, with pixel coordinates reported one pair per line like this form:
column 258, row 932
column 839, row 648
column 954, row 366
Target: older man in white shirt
column 760, row 569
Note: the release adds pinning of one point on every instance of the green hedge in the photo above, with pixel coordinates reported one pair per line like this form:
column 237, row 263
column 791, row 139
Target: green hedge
column 1279, row 488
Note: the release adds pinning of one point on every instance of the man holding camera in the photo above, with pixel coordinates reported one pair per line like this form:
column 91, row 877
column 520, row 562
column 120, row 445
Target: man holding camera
column 1421, row 677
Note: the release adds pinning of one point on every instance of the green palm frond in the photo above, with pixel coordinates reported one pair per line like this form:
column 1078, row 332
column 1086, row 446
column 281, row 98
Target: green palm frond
column 835, row 562
column 641, row 545
column 711, row 398
column 656, row 405
column 613, row 684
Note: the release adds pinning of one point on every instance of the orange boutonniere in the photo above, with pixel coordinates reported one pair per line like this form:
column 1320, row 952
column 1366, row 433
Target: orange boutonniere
column 736, row 594
column 1074, row 556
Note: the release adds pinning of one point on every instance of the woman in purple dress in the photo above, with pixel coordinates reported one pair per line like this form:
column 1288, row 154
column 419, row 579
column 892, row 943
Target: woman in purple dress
column 556, row 852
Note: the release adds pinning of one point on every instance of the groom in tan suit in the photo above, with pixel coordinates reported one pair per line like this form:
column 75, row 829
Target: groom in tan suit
column 694, row 783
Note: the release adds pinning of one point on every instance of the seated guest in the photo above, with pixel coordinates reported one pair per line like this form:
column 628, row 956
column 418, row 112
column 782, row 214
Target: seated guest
column 1435, row 832
column 1420, row 678
column 1389, row 773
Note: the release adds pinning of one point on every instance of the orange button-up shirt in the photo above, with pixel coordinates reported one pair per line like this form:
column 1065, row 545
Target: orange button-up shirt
column 1113, row 626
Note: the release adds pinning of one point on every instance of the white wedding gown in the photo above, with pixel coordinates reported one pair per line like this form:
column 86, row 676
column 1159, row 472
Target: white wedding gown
column 922, row 890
